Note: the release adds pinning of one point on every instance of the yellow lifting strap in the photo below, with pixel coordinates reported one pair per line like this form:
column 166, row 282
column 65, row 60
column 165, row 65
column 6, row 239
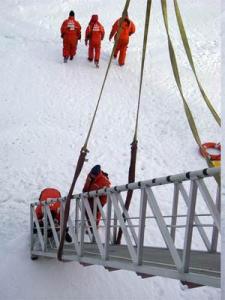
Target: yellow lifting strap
column 178, row 82
column 190, row 59
column 147, row 21
column 134, row 144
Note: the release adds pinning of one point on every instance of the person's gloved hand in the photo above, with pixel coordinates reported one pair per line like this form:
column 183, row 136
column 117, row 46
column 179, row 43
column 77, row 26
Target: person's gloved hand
column 62, row 35
column 86, row 42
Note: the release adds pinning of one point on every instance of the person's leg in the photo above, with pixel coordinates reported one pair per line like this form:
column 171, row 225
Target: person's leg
column 41, row 224
column 122, row 56
column 68, row 238
column 73, row 49
column 66, row 50
column 90, row 52
column 116, row 51
column 97, row 53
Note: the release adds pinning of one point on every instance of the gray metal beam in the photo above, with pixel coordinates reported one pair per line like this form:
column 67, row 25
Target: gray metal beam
column 215, row 233
column 196, row 219
column 209, row 202
column 163, row 228
column 94, row 227
column 174, row 211
column 123, row 227
column 189, row 226
column 141, row 229
column 161, row 270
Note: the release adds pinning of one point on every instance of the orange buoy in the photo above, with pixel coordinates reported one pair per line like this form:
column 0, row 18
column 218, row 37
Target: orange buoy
column 204, row 150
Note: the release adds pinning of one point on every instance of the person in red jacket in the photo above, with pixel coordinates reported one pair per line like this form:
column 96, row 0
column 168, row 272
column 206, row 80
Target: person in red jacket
column 96, row 179
column 94, row 34
column 50, row 193
column 128, row 28
column 70, row 33
column 54, row 207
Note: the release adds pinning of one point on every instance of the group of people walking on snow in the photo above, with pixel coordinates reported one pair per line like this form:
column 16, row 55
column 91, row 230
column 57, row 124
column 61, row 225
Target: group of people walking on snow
column 94, row 34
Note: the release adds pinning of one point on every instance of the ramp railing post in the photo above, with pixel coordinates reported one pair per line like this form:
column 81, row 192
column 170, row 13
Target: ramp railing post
column 127, row 218
column 94, row 226
column 174, row 211
column 45, row 224
column 52, row 226
column 189, row 226
column 215, row 232
column 163, row 228
column 141, row 227
column 94, row 214
column 82, row 227
column 115, row 223
column 209, row 202
column 126, row 235
column 107, row 228
column 40, row 237
column 103, row 216
column 61, row 217
column 76, row 229
column 31, row 228
column 197, row 220
column 86, row 228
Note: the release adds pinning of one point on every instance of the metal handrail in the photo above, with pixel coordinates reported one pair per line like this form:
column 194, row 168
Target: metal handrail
column 209, row 172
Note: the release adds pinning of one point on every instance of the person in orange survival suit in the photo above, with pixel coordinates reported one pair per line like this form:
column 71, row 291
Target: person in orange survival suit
column 128, row 28
column 70, row 33
column 96, row 179
column 94, row 34
column 54, row 208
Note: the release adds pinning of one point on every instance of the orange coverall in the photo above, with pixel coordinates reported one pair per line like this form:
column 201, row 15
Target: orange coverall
column 128, row 28
column 55, row 211
column 71, row 33
column 54, row 207
column 95, row 183
column 94, row 34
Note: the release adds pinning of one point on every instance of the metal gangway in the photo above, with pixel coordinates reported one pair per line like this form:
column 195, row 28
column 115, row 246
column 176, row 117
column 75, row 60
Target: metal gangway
column 169, row 218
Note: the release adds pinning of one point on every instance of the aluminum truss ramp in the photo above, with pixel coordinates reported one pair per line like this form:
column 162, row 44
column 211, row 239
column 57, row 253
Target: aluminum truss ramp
column 174, row 258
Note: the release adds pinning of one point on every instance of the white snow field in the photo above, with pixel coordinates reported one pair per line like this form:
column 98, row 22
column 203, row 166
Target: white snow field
column 46, row 110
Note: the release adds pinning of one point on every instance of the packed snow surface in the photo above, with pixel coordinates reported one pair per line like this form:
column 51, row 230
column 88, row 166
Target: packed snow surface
column 46, row 110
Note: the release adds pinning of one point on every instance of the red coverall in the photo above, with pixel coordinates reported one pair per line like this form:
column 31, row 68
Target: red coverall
column 95, row 183
column 55, row 211
column 54, row 207
column 94, row 34
column 128, row 28
column 71, row 33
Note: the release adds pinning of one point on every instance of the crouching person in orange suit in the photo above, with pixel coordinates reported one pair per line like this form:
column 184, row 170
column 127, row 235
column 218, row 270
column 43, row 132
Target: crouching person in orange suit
column 70, row 33
column 94, row 34
column 96, row 179
column 127, row 29
column 54, row 209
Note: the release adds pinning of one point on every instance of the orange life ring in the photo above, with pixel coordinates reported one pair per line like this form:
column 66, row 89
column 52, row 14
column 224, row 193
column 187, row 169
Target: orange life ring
column 210, row 145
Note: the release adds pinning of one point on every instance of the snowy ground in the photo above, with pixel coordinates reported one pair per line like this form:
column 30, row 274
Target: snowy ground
column 46, row 109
